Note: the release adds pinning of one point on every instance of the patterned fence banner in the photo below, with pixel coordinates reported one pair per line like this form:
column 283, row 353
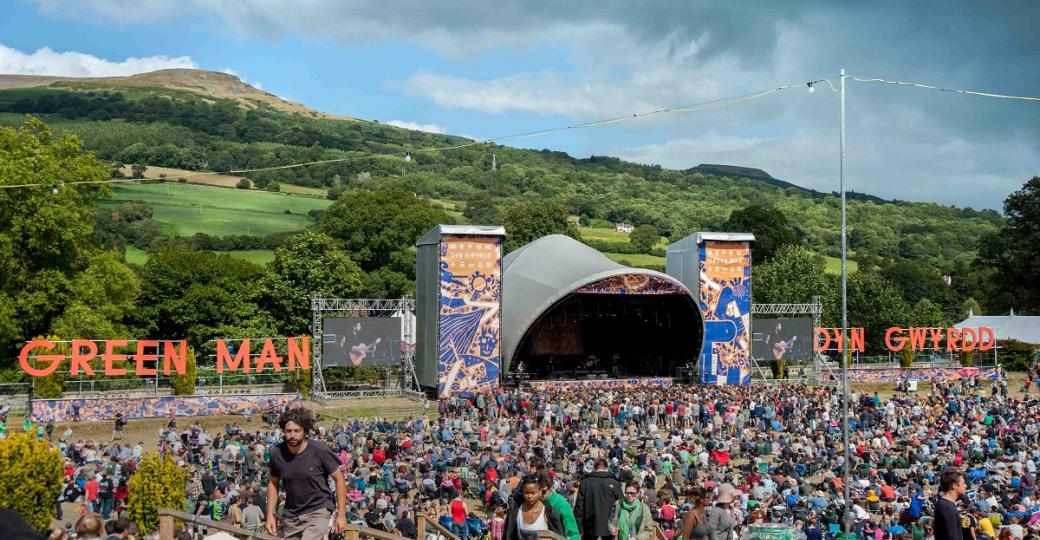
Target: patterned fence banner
column 469, row 351
column 725, row 302
column 105, row 408
column 602, row 384
column 891, row 375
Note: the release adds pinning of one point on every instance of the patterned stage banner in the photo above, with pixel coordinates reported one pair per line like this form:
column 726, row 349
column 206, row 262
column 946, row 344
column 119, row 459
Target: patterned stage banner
column 102, row 408
column 469, row 327
column 631, row 284
column 891, row 375
column 725, row 302
column 601, row 384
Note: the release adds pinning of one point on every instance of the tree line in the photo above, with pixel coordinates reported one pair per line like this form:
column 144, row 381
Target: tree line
column 61, row 273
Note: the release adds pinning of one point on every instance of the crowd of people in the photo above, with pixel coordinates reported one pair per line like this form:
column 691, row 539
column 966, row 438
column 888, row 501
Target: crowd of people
column 690, row 462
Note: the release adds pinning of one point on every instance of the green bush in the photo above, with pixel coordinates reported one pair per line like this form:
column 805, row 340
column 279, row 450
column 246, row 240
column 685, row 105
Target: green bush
column 906, row 357
column 300, row 381
column 244, row 184
column 967, row 358
column 52, row 386
column 158, row 483
column 30, row 478
column 184, row 385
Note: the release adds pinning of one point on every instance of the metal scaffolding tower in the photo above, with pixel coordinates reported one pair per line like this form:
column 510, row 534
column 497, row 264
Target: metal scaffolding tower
column 407, row 386
column 820, row 364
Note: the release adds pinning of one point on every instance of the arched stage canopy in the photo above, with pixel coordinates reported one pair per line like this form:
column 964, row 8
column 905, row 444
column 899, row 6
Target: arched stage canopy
column 563, row 301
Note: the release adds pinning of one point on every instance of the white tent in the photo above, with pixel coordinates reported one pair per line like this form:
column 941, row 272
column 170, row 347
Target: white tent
column 1025, row 328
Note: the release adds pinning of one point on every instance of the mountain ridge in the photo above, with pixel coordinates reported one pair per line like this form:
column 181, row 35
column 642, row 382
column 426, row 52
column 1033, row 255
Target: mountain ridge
column 202, row 82
column 222, row 85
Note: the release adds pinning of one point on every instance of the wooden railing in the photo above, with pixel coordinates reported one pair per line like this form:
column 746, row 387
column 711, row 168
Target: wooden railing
column 422, row 521
column 168, row 517
column 356, row 532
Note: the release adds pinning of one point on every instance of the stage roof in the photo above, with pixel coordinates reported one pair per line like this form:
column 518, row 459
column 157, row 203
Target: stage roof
column 540, row 274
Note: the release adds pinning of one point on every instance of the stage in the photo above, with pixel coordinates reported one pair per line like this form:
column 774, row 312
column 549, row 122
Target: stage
column 601, row 384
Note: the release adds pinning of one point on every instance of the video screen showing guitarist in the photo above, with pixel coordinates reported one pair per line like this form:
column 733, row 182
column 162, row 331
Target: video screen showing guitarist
column 778, row 346
column 355, row 344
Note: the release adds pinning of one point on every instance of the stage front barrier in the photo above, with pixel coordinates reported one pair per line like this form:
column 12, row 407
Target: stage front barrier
column 718, row 267
column 102, row 408
column 459, row 308
column 602, row 384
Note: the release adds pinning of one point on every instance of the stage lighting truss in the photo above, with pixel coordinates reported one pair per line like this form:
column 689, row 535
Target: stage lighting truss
column 364, row 307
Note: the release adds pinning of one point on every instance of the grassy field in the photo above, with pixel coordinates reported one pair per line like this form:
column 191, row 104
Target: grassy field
column 258, row 256
column 221, row 180
column 186, row 209
column 135, row 256
column 611, row 235
column 639, row 259
column 833, row 265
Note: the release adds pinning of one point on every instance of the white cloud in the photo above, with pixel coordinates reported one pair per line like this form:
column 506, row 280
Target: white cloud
column 615, row 57
column 76, row 64
column 683, row 153
column 429, row 128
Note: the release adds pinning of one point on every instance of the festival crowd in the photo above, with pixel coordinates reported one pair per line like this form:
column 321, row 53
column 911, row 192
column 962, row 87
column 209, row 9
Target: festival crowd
column 690, row 462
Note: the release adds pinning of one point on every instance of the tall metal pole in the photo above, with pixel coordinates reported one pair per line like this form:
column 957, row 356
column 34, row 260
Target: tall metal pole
column 846, row 516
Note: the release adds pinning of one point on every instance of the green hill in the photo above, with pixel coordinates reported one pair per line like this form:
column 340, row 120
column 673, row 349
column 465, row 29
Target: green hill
column 185, row 209
column 199, row 121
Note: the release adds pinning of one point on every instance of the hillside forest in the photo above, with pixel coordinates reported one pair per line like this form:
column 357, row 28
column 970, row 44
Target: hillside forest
column 170, row 257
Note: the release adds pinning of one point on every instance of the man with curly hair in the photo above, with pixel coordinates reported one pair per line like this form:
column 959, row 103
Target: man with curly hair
column 302, row 466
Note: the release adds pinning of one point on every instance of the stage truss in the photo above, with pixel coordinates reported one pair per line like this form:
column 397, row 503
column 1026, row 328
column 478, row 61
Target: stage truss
column 820, row 364
column 321, row 307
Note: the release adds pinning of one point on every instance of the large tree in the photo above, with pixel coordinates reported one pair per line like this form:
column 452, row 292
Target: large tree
column 481, row 210
column 770, row 227
column 644, row 238
column 372, row 226
column 192, row 294
column 304, row 264
column 46, row 231
column 1015, row 249
column 793, row 276
column 874, row 304
column 919, row 280
column 529, row 221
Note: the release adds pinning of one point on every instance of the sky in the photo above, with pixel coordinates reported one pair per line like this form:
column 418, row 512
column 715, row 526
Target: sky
column 488, row 69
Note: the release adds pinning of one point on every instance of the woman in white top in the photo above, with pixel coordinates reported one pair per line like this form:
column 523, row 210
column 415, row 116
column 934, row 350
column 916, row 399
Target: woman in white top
column 525, row 520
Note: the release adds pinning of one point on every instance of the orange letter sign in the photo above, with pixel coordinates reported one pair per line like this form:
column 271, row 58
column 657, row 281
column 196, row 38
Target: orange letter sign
column 54, row 359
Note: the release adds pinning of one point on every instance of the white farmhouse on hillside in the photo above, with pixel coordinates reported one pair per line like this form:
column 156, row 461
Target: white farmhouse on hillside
column 624, row 227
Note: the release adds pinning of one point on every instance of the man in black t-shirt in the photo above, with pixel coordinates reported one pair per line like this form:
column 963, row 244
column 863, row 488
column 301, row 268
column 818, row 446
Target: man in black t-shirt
column 303, row 467
column 947, row 518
